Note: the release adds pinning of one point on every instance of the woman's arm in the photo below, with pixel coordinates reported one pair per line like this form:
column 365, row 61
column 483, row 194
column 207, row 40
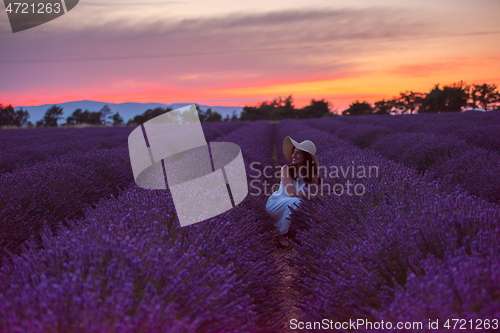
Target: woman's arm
column 287, row 180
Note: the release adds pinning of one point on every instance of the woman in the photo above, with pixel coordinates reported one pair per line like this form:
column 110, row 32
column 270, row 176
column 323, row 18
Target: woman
column 296, row 178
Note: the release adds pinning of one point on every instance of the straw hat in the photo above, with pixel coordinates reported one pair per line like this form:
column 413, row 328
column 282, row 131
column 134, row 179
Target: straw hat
column 306, row 145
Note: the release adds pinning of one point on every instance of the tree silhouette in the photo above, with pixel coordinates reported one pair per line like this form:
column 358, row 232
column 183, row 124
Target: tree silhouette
column 435, row 101
column 86, row 117
column 252, row 113
column 147, row 115
column 496, row 101
column 234, row 117
column 410, row 101
column 484, row 94
column 117, row 119
column 385, row 107
column 473, row 97
column 75, row 117
column 104, row 112
column 209, row 115
column 449, row 99
column 21, row 117
column 10, row 117
column 316, row 109
column 277, row 109
column 52, row 115
column 284, row 109
column 358, row 108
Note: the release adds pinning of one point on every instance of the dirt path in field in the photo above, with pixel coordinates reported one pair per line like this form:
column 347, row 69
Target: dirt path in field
column 288, row 272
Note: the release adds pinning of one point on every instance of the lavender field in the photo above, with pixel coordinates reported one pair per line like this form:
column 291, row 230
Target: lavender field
column 84, row 249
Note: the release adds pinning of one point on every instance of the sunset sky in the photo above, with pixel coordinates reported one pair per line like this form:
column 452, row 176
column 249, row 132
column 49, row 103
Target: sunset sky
column 237, row 53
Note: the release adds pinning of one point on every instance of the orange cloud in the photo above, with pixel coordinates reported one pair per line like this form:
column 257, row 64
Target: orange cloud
column 425, row 70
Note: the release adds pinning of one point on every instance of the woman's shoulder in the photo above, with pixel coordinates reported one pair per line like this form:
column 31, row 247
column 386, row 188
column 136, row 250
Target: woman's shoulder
column 285, row 170
column 285, row 167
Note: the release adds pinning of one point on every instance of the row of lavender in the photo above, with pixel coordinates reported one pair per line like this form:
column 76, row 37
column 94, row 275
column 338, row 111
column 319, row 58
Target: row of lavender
column 127, row 266
column 477, row 128
column 404, row 250
column 11, row 138
column 474, row 168
column 19, row 148
column 55, row 185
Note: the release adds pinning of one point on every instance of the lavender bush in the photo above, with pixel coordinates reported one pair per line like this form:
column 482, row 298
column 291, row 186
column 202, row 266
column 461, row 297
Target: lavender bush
column 476, row 128
column 356, row 251
column 18, row 157
column 17, row 138
column 61, row 185
column 215, row 130
column 420, row 243
column 61, row 188
column 25, row 147
column 128, row 266
column 475, row 169
column 459, row 286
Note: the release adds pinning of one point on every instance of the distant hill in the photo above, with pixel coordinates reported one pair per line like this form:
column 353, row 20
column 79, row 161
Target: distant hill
column 127, row 110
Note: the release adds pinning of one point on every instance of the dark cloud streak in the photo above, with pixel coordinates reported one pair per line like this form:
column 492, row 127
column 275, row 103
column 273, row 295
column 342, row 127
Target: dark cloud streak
column 131, row 4
column 234, row 34
column 246, row 51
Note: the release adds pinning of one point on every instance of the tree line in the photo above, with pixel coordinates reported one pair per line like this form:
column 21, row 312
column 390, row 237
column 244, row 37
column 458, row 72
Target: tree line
column 9, row 117
column 283, row 108
column 205, row 116
column 452, row 98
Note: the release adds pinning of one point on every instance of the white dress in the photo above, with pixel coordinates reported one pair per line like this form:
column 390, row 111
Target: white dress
column 279, row 203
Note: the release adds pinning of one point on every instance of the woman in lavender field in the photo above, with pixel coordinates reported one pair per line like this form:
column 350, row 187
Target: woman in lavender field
column 296, row 179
